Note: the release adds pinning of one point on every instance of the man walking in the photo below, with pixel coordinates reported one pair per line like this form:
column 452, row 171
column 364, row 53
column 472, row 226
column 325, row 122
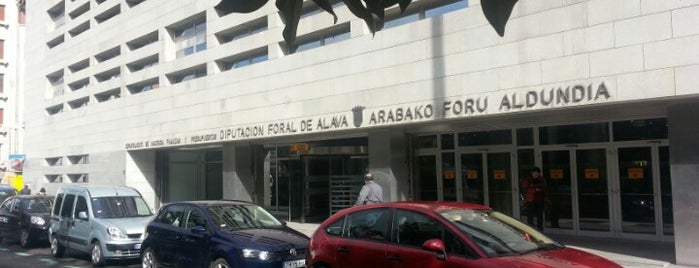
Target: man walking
column 25, row 190
column 371, row 192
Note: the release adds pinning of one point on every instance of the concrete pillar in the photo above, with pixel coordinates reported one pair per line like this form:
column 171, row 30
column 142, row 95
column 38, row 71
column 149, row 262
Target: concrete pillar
column 684, row 161
column 388, row 163
column 140, row 173
column 238, row 180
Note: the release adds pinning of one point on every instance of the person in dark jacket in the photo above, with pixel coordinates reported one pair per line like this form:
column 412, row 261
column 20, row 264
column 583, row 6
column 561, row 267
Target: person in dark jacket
column 534, row 188
column 25, row 190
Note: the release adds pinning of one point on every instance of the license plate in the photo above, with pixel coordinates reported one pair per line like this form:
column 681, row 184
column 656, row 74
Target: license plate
column 137, row 246
column 295, row 263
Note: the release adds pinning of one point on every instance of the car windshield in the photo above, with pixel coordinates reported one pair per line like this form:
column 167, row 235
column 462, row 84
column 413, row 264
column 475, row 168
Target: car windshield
column 498, row 234
column 37, row 205
column 239, row 217
column 120, row 207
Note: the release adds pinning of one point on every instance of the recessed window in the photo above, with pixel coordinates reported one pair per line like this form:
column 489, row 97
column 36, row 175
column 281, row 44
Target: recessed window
column 80, row 10
column 80, row 84
column 55, row 83
column 53, row 161
column 189, row 36
column 57, row 14
column 78, row 178
column 108, row 14
column 108, row 54
column 108, row 74
column 324, row 37
column 79, row 103
column 54, row 178
column 78, row 159
column 56, row 41
column 243, row 30
column 243, row 59
column 143, row 41
column 643, row 129
column 133, row 3
column 79, row 29
column 108, row 95
column 54, row 109
column 75, row 67
column 571, row 134
column 143, row 86
column 421, row 10
column 144, row 63
column 187, row 74
column 310, row 8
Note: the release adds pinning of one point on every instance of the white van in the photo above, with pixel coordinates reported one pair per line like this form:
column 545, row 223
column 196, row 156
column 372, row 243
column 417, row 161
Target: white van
column 105, row 221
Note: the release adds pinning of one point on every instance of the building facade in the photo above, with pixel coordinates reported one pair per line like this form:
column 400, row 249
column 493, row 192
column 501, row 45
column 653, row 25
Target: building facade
column 185, row 102
column 11, row 90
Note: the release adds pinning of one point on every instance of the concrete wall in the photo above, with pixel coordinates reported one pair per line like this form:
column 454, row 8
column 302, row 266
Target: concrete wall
column 388, row 163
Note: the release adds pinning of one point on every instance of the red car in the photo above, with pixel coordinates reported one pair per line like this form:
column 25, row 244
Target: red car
column 436, row 234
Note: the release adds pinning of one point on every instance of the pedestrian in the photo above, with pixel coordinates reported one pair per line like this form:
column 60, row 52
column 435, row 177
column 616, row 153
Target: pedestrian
column 25, row 190
column 534, row 188
column 371, row 192
column 42, row 191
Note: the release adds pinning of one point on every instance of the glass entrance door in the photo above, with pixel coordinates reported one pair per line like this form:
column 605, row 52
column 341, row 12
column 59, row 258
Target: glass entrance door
column 489, row 173
column 644, row 195
column 578, row 189
column 426, row 170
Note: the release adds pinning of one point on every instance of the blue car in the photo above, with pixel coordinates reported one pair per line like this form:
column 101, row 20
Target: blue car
column 221, row 234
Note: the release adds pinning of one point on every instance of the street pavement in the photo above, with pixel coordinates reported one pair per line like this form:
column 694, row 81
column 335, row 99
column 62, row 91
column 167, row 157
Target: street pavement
column 627, row 253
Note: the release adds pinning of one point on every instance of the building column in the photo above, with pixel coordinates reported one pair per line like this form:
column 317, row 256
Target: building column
column 684, row 162
column 140, row 173
column 388, row 163
column 238, row 179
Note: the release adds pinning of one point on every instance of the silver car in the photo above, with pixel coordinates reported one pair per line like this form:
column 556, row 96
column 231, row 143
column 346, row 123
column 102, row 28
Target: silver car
column 105, row 221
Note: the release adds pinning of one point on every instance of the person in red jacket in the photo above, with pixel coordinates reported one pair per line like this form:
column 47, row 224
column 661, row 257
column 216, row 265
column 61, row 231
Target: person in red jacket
column 534, row 189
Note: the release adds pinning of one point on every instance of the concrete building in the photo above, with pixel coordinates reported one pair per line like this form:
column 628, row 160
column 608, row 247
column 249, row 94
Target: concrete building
column 184, row 102
column 11, row 87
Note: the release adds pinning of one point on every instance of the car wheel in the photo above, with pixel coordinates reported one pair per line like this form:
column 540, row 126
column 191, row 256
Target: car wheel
column 219, row 263
column 24, row 239
column 57, row 250
column 148, row 259
column 96, row 255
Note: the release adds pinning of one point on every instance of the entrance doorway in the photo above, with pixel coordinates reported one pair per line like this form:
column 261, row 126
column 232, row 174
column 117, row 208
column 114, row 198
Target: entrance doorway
column 623, row 190
column 191, row 175
column 482, row 178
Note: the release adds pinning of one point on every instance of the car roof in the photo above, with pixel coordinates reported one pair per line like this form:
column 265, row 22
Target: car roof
column 102, row 190
column 6, row 187
column 424, row 206
column 208, row 203
column 34, row 197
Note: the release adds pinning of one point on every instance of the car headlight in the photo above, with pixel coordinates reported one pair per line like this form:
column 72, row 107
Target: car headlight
column 255, row 254
column 115, row 232
column 37, row 220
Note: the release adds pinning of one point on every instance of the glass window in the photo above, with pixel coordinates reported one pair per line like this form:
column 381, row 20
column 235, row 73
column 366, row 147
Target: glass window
column 398, row 21
column 447, row 141
column 368, row 224
column 191, row 40
column 335, row 229
column 67, row 208
column 433, row 12
column 644, row 129
column 423, row 142
column 525, row 136
column 478, row 138
column 239, row 217
column 57, row 204
column 568, row 134
column 119, row 207
column 5, row 206
column 337, row 35
column 195, row 218
column 171, row 215
column 38, row 205
column 413, row 229
column 80, row 206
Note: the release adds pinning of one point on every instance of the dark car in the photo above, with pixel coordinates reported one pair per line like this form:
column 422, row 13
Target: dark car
column 6, row 191
column 437, row 234
column 26, row 218
column 221, row 234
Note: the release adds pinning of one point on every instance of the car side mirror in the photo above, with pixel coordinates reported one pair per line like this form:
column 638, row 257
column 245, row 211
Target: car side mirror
column 82, row 215
column 437, row 246
column 198, row 229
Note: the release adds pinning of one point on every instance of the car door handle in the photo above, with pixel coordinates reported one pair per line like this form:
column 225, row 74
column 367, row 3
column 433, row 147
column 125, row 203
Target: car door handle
column 343, row 250
column 395, row 259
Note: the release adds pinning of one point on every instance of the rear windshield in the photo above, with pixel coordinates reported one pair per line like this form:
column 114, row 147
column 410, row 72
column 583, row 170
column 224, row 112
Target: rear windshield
column 120, row 207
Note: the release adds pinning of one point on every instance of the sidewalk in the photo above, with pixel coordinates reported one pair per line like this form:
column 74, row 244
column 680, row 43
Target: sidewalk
column 627, row 253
